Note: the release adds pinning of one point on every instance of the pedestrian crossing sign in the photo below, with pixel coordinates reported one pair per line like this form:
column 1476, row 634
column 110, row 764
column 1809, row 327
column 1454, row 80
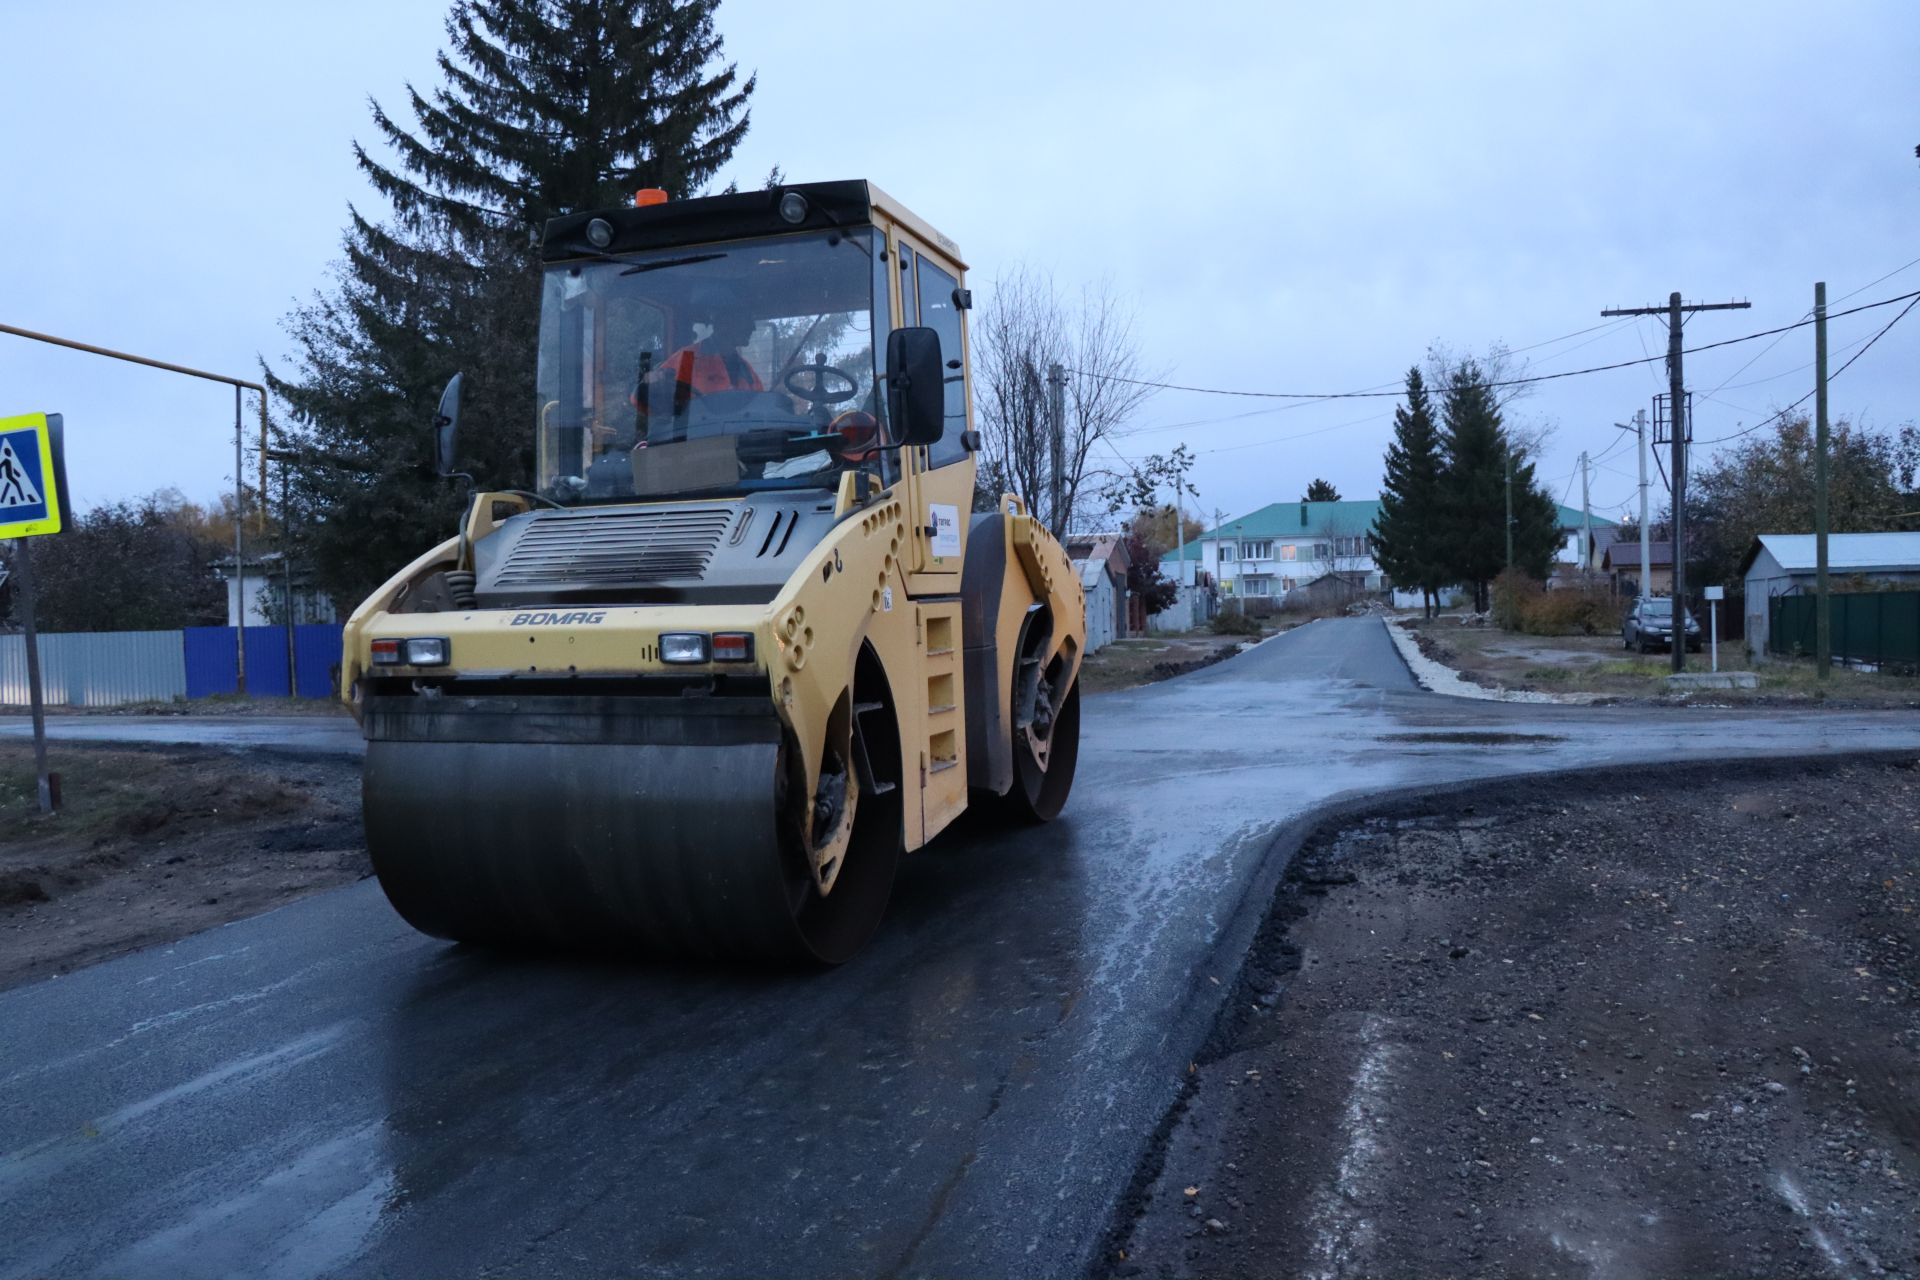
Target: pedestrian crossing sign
column 32, row 476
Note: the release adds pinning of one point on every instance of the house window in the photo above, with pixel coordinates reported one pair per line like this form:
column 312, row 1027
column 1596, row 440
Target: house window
column 1287, row 550
column 1257, row 550
column 1226, row 551
column 1321, row 551
column 1258, row 586
column 1287, row 584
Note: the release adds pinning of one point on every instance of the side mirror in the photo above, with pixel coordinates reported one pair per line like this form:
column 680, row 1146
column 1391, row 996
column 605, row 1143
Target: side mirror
column 446, row 427
column 916, row 386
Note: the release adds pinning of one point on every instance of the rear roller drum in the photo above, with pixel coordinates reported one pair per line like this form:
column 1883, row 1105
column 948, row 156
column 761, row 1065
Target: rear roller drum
column 1046, row 746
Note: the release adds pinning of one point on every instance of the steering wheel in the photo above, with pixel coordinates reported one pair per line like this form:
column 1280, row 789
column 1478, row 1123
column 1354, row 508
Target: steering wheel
column 820, row 390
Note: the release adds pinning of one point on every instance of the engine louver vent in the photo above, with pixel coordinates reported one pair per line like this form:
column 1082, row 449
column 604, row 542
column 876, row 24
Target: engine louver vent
column 614, row 546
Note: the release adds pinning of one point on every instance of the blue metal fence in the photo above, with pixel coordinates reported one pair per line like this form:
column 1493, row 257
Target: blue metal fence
column 212, row 667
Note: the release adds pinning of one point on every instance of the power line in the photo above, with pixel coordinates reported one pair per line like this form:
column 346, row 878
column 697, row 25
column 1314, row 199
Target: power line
column 1781, row 413
column 1506, row 382
column 1869, row 284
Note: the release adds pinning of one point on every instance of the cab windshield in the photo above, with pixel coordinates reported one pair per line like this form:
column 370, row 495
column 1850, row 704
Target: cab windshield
column 726, row 368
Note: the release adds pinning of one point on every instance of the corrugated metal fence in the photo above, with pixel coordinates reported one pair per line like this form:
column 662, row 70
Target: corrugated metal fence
column 1877, row 627
column 96, row 669
column 104, row 669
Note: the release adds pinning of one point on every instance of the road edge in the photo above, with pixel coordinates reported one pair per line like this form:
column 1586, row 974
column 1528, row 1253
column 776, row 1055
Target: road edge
column 1210, row 1004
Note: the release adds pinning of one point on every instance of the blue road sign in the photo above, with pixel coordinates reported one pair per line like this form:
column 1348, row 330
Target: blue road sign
column 32, row 482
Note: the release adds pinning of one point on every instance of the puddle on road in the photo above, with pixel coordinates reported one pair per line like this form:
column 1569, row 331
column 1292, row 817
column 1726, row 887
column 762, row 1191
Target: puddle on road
column 1476, row 739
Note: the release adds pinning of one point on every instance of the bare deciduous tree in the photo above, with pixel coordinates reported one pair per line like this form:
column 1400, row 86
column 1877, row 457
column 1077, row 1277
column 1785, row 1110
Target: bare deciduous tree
column 1529, row 434
column 1024, row 328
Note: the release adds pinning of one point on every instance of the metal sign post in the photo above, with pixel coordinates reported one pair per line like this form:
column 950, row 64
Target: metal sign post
column 33, row 503
column 1714, row 596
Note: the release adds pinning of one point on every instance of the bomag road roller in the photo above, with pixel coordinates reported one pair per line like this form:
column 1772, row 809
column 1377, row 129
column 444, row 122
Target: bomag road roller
column 745, row 642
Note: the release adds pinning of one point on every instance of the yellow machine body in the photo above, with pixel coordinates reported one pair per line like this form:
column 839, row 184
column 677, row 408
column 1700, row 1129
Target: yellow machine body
column 573, row 707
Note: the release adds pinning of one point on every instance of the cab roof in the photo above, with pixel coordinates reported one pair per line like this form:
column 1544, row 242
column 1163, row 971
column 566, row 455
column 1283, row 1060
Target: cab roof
column 736, row 216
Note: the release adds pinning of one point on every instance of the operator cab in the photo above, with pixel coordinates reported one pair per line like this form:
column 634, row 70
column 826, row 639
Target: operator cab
column 682, row 355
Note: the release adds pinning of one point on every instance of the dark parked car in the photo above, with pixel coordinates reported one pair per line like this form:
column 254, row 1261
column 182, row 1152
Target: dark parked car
column 1649, row 626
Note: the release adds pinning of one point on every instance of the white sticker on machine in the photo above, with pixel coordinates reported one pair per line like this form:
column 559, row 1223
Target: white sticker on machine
column 946, row 529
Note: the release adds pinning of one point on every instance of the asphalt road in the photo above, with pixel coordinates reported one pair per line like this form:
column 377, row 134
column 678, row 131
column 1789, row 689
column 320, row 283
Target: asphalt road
column 320, row 1090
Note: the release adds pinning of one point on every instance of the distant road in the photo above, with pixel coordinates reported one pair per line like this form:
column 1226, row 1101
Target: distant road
column 333, row 735
column 321, row 1091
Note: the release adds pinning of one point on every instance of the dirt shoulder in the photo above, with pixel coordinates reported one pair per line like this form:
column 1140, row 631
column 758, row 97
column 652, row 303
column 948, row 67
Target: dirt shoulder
column 1124, row 664
column 1652, row 1026
column 155, row 844
column 1497, row 659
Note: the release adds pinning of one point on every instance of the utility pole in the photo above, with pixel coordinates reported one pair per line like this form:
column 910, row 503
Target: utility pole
column 1822, row 603
column 239, row 564
column 1180, row 523
column 1681, row 422
column 1586, row 522
column 1509, row 506
column 1639, row 428
column 1057, row 413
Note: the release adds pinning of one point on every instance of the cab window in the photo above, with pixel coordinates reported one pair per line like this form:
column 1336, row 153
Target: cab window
column 940, row 311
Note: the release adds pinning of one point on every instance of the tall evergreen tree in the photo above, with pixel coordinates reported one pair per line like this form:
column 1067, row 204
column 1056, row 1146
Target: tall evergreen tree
column 1407, row 528
column 1473, row 505
column 547, row 106
column 1319, row 490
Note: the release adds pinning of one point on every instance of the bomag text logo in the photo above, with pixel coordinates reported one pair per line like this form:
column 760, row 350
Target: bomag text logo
column 576, row 619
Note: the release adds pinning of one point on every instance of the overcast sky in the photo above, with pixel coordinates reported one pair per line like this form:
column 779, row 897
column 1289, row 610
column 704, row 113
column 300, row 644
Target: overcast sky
column 1291, row 199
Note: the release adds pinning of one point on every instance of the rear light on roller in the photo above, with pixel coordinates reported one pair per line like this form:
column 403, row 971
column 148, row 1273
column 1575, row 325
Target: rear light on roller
column 733, row 646
column 420, row 651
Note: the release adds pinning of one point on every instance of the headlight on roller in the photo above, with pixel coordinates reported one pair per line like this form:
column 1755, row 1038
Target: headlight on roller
column 427, row 651
column 683, row 647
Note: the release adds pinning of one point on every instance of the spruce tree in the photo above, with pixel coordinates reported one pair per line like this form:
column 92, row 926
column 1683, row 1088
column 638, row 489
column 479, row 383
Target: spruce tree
column 1472, row 508
column 1406, row 530
column 547, row 106
column 1320, row 491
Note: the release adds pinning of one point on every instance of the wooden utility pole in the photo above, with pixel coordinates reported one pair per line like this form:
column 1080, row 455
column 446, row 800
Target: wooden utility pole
column 1586, row 522
column 1057, row 431
column 1509, row 506
column 1822, row 614
column 1681, row 424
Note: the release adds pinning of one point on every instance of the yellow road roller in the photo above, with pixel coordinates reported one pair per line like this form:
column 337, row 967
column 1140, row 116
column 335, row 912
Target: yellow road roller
column 746, row 641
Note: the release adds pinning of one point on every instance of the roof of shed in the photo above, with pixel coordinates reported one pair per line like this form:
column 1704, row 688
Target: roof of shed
column 1846, row 552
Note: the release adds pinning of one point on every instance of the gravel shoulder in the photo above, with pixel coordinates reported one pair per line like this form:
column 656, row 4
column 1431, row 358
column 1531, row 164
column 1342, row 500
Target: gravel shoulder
column 153, row 845
column 1586, row 668
column 1652, row 1024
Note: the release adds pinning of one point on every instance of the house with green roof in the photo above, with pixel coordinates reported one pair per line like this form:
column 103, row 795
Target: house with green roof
column 1287, row 545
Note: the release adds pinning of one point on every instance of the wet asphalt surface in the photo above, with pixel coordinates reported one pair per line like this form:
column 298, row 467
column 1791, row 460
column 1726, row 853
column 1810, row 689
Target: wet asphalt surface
column 320, row 1090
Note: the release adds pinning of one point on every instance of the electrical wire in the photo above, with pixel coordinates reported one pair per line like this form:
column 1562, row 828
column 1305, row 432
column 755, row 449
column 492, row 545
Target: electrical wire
column 1869, row 284
column 1505, row 382
column 1830, row 377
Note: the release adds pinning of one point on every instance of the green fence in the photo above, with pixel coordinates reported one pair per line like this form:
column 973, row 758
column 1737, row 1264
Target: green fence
column 1879, row 627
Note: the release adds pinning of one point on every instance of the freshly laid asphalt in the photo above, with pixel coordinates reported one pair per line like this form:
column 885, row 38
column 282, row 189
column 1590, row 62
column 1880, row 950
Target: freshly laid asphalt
column 322, row 1091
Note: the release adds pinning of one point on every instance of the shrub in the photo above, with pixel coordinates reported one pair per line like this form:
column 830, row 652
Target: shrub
column 1513, row 595
column 1521, row 603
column 1230, row 621
column 1571, row 612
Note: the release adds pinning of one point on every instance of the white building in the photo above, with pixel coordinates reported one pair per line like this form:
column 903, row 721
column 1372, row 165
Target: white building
column 1287, row 545
column 265, row 583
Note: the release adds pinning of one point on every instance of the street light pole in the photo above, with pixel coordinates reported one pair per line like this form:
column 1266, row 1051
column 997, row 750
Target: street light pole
column 239, row 385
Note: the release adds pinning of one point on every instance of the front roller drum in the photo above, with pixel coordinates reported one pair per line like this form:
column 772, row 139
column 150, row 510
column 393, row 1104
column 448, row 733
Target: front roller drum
column 678, row 848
